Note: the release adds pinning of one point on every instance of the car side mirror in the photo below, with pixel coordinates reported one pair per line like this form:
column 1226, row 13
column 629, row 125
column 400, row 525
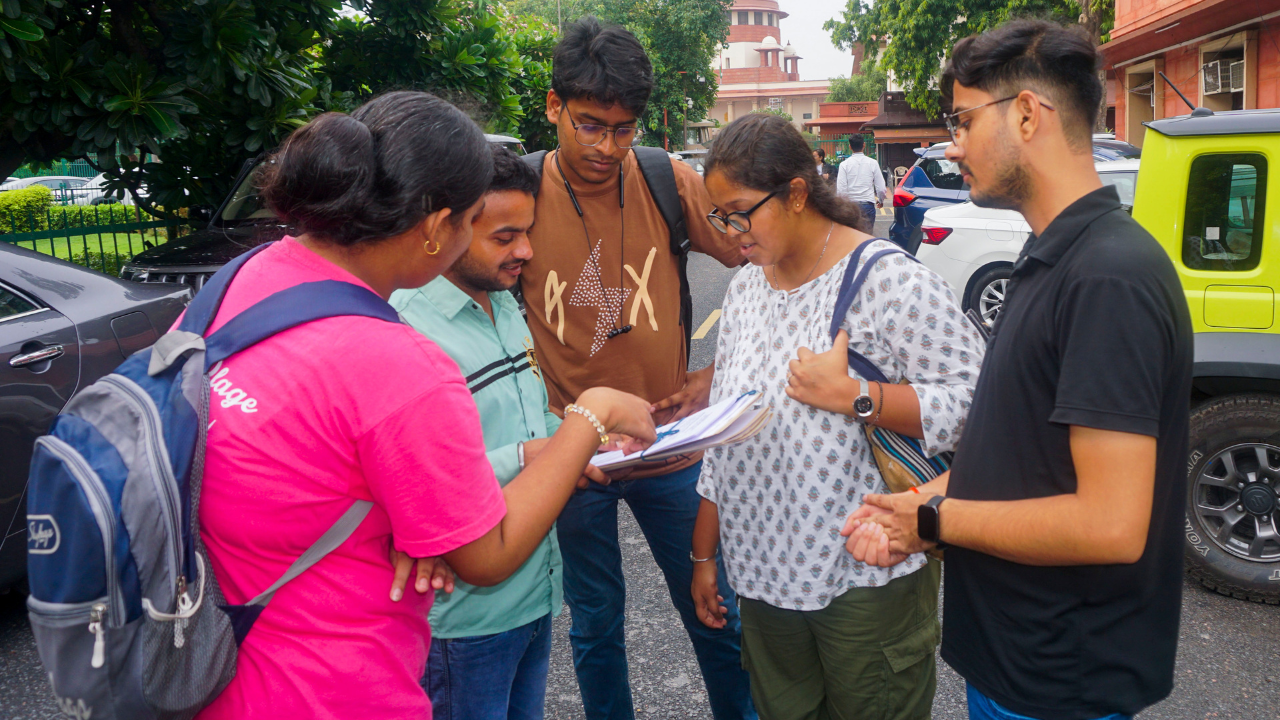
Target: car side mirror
column 200, row 213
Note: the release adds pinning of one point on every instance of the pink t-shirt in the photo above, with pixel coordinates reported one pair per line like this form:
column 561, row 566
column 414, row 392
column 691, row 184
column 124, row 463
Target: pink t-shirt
column 301, row 425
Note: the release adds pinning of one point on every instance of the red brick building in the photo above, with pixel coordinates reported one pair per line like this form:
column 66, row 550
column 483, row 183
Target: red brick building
column 758, row 70
column 1222, row 54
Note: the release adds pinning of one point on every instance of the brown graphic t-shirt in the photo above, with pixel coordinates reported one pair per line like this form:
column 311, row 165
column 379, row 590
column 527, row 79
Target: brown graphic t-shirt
column 581, row 285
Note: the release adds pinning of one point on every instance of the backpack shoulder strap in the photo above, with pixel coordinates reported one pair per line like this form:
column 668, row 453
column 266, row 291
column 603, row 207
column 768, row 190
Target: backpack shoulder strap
column 204, row 306
column 655, row 165
column 850, row 285
column 660, row 176
column 534, row 160
column 292, row 307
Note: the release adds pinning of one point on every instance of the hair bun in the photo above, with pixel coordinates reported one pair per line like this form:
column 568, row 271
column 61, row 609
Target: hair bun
column 323, row 174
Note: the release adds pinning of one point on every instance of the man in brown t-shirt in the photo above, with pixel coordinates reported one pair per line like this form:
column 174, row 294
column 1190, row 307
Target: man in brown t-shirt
column 603, row 298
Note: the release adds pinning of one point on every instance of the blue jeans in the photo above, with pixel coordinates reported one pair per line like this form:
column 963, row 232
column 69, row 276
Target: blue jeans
column 490, row 677
column 982, row 707
column 869, row 212
column 666, row 508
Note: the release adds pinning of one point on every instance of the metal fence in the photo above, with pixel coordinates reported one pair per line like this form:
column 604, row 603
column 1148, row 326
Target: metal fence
column 76, row 168
column 102, row 237
column 837, row 147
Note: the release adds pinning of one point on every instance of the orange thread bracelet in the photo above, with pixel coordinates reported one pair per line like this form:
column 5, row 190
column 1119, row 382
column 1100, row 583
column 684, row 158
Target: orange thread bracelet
column 915, row 489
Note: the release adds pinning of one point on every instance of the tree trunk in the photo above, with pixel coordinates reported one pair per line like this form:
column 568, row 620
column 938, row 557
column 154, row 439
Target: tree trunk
column 12, row 156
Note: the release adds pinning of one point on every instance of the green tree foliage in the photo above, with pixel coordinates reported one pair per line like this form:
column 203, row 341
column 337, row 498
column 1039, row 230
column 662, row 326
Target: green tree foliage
column 922, row 32
column 860, row 88
column 682, row 38
column 774, row 111
column 207, row 84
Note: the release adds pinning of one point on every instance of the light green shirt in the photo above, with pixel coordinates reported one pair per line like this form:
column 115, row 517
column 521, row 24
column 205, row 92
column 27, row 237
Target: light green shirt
column 494, row 357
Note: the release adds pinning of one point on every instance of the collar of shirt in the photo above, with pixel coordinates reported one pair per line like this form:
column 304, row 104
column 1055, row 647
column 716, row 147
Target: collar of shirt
column 449, row 298
column 1062, row 232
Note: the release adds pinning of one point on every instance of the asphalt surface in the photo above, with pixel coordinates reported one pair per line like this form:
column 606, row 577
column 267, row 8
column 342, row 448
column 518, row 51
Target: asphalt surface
column 1228, row 652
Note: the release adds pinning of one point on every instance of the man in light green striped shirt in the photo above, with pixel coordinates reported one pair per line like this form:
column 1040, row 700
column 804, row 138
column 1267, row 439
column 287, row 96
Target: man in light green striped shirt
column 491, row 646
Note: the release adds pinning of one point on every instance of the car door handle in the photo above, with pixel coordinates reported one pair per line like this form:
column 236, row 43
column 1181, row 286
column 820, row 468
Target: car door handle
column 45, row 353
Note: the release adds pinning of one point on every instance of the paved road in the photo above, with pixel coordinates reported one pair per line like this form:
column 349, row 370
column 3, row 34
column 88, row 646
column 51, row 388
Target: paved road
column 1228, row 653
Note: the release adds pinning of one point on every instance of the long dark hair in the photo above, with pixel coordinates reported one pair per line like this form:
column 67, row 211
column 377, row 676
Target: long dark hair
column 765, row 152
column 360, row 178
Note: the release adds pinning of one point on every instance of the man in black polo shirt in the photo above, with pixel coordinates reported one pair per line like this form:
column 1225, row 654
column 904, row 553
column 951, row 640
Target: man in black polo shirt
column 1063, row 508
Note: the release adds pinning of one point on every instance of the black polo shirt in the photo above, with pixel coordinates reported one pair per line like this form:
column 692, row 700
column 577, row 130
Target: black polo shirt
column 1094, row 332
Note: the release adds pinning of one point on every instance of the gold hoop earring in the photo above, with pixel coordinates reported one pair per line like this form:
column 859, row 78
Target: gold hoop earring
column 427, row 244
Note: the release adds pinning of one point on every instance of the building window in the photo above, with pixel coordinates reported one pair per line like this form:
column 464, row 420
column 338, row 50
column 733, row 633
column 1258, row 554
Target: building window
column 808, row 116
column 775, row 103
column 728, row 16
column 728, row 63
column 769, row 19
column 759, row 18
column 742, row 17
column 1226, row 199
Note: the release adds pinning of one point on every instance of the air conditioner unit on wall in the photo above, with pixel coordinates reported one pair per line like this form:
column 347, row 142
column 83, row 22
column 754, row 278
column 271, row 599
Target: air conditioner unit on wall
column 1236, row 72
column 1211, row 77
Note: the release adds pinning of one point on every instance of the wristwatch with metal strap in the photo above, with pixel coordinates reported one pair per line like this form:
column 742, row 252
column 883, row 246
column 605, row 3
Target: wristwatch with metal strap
column 863, row 406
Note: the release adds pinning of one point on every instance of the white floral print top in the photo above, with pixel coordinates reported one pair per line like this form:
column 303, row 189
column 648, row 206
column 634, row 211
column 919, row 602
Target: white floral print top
column 784, row 495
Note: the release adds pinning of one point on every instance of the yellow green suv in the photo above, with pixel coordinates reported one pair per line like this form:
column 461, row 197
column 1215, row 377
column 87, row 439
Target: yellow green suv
column 1203, row 192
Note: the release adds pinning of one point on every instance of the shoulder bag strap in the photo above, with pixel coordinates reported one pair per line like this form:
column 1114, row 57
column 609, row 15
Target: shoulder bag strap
column 850, row 286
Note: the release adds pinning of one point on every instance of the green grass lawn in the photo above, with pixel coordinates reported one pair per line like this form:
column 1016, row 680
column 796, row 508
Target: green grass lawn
column 109, row 250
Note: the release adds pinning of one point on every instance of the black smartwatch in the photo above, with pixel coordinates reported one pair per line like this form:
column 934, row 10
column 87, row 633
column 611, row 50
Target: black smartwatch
column 928, row 521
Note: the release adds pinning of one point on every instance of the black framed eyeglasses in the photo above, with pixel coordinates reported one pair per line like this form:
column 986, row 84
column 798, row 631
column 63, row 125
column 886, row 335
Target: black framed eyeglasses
column 592, row 135
column 953, row 127
column 741, row 220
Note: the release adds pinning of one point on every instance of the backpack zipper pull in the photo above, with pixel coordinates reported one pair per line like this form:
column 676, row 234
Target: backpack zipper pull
column 96, row 614
column 180, row 624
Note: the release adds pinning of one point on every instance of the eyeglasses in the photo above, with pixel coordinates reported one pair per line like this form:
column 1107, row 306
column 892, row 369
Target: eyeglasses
column 740, row 221
column 593, row 135
column 953, row 128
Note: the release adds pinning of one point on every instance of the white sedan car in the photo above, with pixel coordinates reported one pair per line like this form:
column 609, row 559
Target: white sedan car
column 974, row 248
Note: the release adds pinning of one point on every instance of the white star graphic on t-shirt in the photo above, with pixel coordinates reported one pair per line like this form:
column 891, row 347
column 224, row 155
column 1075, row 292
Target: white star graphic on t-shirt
column 588, row 292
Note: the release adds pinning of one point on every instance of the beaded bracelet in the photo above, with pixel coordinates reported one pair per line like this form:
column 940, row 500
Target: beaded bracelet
column 591, row 417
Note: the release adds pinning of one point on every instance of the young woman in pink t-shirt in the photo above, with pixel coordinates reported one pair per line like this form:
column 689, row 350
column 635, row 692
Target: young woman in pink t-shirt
column 354, row 408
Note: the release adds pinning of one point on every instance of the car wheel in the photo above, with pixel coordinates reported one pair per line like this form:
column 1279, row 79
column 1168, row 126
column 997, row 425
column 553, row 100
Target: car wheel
column 986, row 295
column 1233, row 497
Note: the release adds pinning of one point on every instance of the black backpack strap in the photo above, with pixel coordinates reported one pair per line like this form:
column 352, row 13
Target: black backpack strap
column 534, row 160
column 660, row 176
column 850, row 286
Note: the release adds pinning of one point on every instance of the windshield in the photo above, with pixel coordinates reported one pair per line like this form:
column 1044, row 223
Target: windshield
column 245, row 204
column 1123, row 182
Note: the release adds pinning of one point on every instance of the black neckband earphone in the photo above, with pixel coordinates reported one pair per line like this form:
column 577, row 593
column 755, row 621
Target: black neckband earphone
column 616, row 331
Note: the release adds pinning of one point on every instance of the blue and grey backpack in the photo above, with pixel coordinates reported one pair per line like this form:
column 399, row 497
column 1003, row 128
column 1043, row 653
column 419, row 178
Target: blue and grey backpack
column 128, row 616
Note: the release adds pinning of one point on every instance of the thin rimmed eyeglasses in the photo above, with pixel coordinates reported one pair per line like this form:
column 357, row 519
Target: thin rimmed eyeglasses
column 950, row 119
column 592, row 135
column 740, row 220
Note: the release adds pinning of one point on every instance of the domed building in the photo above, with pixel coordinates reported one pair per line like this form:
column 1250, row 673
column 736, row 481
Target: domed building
column 759, row 69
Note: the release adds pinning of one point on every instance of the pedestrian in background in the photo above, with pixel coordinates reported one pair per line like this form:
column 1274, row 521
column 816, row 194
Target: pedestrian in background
column 354, row 408
column 823, row 635
column 1063, row 510
column 861, row 182
column 603, row 291
column 491, row 646
column 825, row 171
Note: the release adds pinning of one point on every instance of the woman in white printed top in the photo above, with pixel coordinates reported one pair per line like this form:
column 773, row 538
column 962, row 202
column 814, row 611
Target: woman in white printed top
column 822, row 634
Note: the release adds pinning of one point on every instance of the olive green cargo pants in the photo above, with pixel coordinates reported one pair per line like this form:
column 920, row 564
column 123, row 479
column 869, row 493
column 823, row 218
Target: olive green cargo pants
column 869, row 655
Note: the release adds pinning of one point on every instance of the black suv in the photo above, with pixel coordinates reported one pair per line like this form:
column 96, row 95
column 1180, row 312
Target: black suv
column 242, row 222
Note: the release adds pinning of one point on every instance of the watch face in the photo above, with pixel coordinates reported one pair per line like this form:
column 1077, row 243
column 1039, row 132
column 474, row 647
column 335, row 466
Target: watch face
column 863, row 406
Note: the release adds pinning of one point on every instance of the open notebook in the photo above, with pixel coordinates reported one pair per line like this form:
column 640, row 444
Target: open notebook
column 724, row 423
